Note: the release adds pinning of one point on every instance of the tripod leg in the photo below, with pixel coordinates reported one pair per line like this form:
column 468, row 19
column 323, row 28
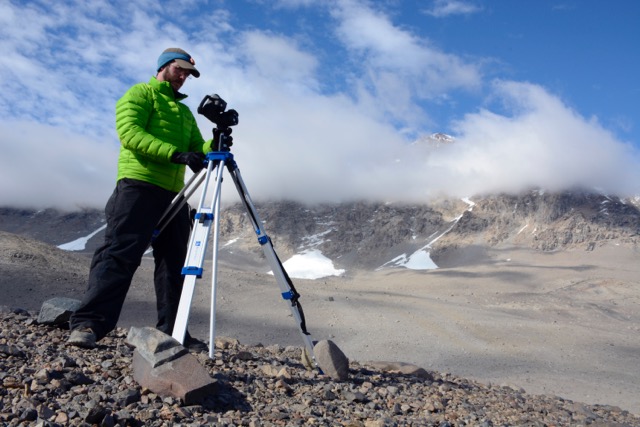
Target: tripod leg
column 196, row 252
column 214, row 266
column 287, row 289
column 178, row 201
column 192, row 270
column 182, row 318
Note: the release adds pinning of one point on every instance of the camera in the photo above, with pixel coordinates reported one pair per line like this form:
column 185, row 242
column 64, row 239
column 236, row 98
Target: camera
column 213, row 108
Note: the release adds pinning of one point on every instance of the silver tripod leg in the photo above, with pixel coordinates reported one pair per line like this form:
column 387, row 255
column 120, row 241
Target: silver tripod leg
column 214, row 263
column 179, row 201
column 198, row 242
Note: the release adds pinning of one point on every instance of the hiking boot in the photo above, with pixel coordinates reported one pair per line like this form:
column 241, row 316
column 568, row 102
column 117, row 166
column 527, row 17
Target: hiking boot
column 195, row 345
column 84, row 338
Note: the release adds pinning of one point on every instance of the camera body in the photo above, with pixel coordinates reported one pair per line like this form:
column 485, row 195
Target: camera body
column 213, row 108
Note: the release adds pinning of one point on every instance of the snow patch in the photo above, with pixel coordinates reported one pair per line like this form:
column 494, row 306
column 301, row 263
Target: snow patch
column 81, row 243
column 310, row 264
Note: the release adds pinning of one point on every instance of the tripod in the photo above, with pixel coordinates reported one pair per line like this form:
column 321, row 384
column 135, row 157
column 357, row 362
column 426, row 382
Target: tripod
column 207, row 216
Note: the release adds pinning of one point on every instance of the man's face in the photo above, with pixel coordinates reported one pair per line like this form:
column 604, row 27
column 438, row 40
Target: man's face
column 175, row 75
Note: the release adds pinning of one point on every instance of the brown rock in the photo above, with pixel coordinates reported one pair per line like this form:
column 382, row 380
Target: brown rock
column 184, row 378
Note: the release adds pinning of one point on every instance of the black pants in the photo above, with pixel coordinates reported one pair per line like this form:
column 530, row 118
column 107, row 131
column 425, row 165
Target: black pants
column 132, row 213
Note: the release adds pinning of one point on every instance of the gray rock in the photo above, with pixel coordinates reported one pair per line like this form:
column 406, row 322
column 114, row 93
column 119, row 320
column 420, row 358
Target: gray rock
column 57, row 311
column 155, row 346
column 127, row 397
column 331, row 360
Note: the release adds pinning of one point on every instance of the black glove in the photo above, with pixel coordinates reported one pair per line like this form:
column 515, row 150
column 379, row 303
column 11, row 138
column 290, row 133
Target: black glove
column 225, row 136
column 195, row 161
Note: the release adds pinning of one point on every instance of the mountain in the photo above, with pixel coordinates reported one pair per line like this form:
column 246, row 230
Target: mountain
column 50, row 225
column 575, row 220
column 538, row 290
column 374, row 235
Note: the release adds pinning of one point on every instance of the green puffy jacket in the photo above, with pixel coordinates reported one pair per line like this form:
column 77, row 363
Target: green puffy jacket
column 153, row 124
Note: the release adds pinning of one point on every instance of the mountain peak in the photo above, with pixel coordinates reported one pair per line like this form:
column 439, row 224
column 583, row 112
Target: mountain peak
column 437, row 139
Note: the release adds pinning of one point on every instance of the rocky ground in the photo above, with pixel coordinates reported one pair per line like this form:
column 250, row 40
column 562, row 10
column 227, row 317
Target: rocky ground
column 45, row 383
column 558, row 323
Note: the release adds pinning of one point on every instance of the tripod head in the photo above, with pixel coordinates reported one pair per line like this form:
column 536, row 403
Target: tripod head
column 213, row 108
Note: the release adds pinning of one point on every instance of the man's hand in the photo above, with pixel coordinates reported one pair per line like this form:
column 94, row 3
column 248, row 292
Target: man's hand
column 195, row 161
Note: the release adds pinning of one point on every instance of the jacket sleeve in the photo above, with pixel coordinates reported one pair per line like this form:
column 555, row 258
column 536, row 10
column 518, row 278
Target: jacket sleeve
column 133, row 112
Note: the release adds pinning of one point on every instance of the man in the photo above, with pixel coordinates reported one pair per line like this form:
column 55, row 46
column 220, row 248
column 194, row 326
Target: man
column 158, row 136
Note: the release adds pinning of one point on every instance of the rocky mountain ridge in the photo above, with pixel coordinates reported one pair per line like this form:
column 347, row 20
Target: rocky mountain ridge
column 548, row 222
column 366, row 235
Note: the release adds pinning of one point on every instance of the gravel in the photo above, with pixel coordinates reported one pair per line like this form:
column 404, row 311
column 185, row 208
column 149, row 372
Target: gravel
column 45, row 383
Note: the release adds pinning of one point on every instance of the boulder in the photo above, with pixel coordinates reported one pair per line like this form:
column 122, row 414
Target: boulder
column 331, row 360
column 57, row 311
column 164, row 366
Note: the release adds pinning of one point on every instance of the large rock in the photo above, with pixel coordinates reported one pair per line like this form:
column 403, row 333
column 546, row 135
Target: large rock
column 183, row 378
column 331, row 360
column 57, row 311
column 164, row 366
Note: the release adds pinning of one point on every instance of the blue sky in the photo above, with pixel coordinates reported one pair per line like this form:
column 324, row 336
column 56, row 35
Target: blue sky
column 334, row 94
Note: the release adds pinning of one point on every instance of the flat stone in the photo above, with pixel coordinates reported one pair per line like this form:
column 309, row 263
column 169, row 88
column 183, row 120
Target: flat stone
column 155, row 346
column 183, row 378
column 402, row 368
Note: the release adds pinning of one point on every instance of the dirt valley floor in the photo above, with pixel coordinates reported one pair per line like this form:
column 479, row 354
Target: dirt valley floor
column 565, row 324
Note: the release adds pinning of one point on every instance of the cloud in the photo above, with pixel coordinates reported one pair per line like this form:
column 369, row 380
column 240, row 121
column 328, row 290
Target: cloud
column 280, row 61
column 391, row 72
column 529, row 138
column 538, row 141
column 47, row 166
column 298, row 137
column 392, row 57
column 563, row 6
column 444, row 8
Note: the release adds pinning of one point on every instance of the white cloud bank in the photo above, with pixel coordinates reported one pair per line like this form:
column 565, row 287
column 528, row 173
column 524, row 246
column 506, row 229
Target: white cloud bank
column 541, row 142
column 299, row 137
